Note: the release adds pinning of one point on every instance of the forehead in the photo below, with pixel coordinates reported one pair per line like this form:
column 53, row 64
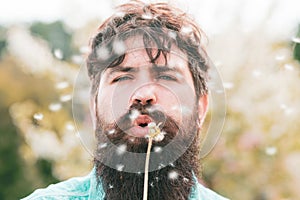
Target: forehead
column 136, row 55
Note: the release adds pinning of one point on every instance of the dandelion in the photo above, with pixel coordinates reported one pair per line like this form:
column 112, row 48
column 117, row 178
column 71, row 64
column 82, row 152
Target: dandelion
column 110, row 186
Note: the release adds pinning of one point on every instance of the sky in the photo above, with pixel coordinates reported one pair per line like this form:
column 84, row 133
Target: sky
column 213, row 15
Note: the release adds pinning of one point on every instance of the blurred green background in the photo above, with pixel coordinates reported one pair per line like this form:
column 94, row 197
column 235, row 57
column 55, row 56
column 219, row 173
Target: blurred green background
column 255, row 46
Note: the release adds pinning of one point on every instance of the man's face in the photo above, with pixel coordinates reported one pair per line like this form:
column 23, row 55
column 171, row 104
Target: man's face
column 164, row 86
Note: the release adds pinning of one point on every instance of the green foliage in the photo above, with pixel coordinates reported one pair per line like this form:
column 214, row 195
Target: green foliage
column 297, row 47
column 56, row 35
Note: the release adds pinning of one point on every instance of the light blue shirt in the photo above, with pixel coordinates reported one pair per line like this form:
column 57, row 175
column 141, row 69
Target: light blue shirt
column 85, row 188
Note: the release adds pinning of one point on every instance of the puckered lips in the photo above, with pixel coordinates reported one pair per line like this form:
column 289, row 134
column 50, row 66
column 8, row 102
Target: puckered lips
column 140, row 126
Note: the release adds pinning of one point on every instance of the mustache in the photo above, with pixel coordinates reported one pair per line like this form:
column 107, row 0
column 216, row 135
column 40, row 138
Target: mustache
column 125, row 122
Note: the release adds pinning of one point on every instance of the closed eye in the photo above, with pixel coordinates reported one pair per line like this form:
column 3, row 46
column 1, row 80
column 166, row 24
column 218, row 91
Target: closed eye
column 122, row 78
column 167, row 78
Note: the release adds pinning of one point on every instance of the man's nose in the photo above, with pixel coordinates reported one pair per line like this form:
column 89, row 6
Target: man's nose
column 144, row 95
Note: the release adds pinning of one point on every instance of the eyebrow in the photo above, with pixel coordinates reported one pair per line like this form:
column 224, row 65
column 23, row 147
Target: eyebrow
column 122, row 69
column 159, row 69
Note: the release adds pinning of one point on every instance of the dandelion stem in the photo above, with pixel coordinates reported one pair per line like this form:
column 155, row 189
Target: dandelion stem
column 145, row 197
column 153, row 132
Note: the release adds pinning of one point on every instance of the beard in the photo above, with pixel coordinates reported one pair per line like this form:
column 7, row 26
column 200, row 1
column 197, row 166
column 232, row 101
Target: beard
column 120, row 158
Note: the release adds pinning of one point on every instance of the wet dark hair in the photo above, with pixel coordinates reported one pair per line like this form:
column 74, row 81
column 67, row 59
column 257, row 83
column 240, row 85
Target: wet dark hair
column 160, row 25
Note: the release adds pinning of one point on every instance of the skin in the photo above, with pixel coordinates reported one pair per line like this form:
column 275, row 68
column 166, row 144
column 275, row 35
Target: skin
column 167, row 88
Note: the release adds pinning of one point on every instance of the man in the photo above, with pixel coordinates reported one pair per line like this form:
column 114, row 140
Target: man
column 148, row 70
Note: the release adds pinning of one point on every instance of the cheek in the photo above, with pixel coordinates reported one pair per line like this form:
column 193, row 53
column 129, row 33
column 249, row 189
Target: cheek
column 177, row 102
column 113, row 103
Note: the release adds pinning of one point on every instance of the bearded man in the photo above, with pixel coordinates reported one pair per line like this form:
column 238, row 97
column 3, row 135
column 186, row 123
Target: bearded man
column 148, row 71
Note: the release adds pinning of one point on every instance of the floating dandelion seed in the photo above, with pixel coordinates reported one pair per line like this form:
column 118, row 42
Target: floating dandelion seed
column 296, row 39
column 228, row 85
column 173, row 175
column 77, row 59
column 121, row 149
column 120, row 167
column 103, row 145
column 256, row 73
column 172, row 164
column 161, row 166
column 151, row 184
column 132, row 139
column 62, row 85
column 119, row 47
column 185, row 179
column 84, row 49
column 271, row 150
column 65, row 98
column 134, row 114
column 139, row 173
column 119, row 14
column 70, row 126
column 156, row 178
column 157, row 149
column 280, row 57
column 38, row 116
column 55, row 107
column 289, row 67
column 110, row 186
column 112, row 131
column 172, row 34
column 102, row 53
column 147, row 16
column 186, row 30
column 58, row 53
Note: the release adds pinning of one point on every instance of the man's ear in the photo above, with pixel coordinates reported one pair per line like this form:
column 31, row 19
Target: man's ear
column 202, row 109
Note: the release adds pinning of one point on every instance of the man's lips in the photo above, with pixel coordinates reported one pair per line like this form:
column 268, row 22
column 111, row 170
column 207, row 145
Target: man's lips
column 140, row 126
